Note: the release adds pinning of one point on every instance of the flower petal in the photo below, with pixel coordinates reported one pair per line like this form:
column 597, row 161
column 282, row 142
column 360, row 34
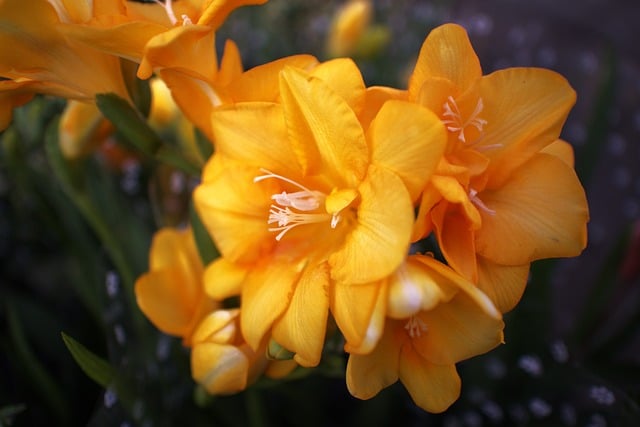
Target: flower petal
column 343, row 76
column 219, row 368
column 541, row 212
column 302, row 327
column 379, row 242
column 323, row 129
column 446, row 53
column 503, row 284
column 352, row 307
column 525, row 109
column 375, row 97
column 455, row 238
column 223, row 279
column 266, row 295
column 432, row 387
column 409, row 140
column 370, row 373
column 217, row 11
column 234, row 209
column 562, row 150
column 230, row 64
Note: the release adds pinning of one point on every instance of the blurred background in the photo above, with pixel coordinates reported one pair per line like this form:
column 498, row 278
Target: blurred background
column 572, row 352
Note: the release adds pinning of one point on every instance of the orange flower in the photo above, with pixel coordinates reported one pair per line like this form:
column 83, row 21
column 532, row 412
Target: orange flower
column 38, row 58
column 497, row 201
column 170, row 294
column 436, row 319
column 298, row 197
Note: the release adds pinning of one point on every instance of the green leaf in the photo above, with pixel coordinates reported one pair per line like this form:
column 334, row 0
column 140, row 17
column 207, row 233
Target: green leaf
column 139, row 135
column 95, row 367
column 206, row 247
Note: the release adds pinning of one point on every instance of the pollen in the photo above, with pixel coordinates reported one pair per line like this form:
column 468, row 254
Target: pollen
column 291, row 209
column 455, row 123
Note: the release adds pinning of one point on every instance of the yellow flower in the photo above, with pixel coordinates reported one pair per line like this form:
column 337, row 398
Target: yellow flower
column 302, row 198
column 349, row 23
column 497, row 201
column 222, row 362
column 82, row 129
column 436, row 319
column 40, row 59
column 171, row 293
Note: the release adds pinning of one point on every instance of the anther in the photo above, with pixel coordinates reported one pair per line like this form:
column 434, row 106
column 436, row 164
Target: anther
column 473, row 196
column 415, row 326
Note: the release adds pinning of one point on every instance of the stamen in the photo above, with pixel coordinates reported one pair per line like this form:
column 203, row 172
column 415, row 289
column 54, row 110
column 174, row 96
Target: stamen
column 304, row 200
column 168, row 8
column 473, row 196
column 415, row 326
column 454, row 121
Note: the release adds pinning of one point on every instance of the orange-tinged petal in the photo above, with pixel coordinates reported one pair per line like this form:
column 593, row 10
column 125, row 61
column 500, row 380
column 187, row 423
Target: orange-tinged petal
column 266, row 295
column 453, row 192
column 218, row 326
column 375, row 97
column 217, row 11
column 190, row 49
column 525, row 109
column 255, row 133
column 503, row 284
column 432, row 387
column 541, row 212
column 455, row 238
column 82, row 129
column 352, row 307
column 160, row 296
column 343, row 76
column 379, row 242
column 562, row 150
column 323, row 129
column 370, row 373
column 434, row 92
column 13, row 94
column 464, row 327
column 409, row 140
column 446, row 53
column 219, row 368
column 302, row 327
column 223, row 279
column 375, row 329
column 261, row 83
column 234, row 208
column 230, row 64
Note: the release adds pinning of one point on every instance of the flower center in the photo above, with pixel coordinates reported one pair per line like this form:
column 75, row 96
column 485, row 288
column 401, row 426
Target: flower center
column 415, row 326
column 289, row 209
column 454, row 121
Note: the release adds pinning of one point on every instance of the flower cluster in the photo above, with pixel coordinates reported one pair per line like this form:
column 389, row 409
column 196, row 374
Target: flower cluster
column 403, row 221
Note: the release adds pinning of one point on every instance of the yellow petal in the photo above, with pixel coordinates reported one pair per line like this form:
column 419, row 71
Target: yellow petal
column 446, row 53
column 190, row 49
column 432, row 387
column 525, row 109
column 541, row 212
column 562, row 150
column 463, row 327
column 220, row 369
column 217, row 11
column 82, row 129
column 13, row 94
column 379, row 242
column 223, row 279
column 409, row 140
column 161, row 298
column 339, row 200
column 323, row 129
column 343, row 76
column 503, row 284
column 352, row 307
column 375, row 97
column 235, row 209
column 219, row 326
column 347, row 27
column 255, row 133
column 261, row 83
column 456, row 240
column 302, row 327
column 370, row 373
column 230, row 64
column 266, row 295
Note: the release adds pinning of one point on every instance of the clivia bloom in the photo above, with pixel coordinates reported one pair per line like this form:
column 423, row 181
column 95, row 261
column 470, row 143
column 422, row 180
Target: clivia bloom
column 497, row 201
column 308, row 203
column 435, row 318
